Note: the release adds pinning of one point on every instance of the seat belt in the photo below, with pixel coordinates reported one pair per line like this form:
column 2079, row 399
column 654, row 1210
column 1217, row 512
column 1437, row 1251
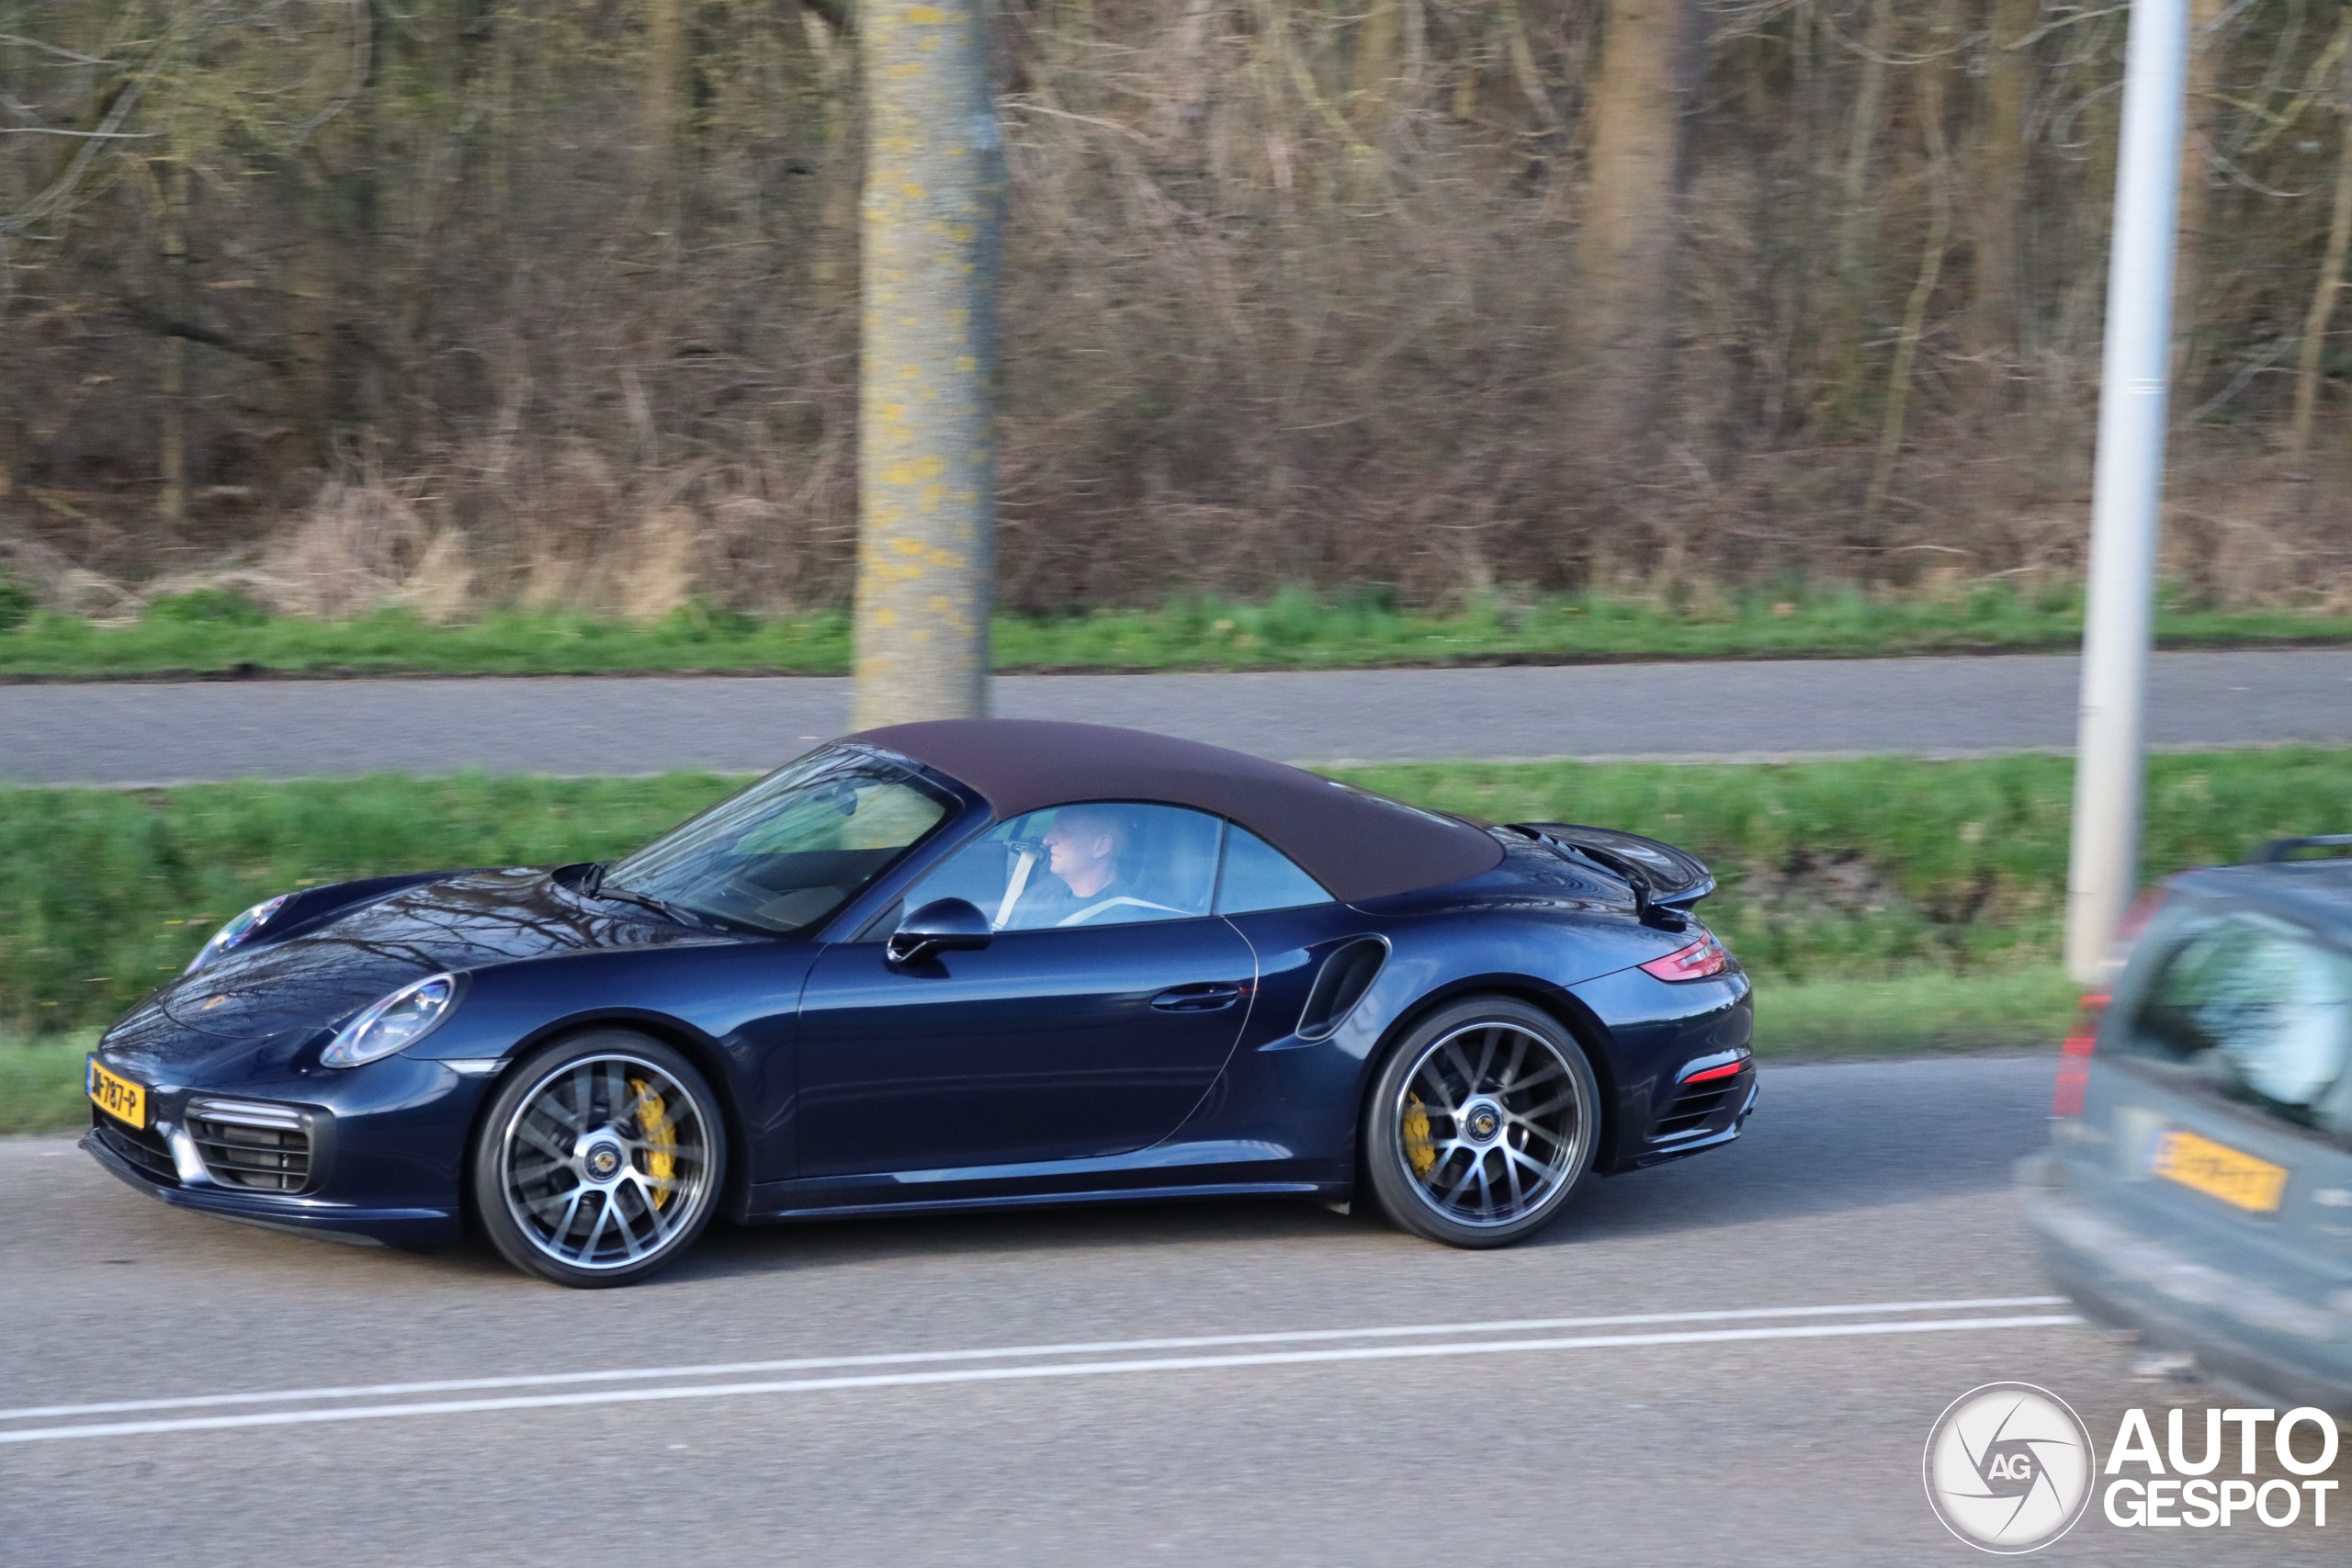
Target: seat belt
column 1013, row 889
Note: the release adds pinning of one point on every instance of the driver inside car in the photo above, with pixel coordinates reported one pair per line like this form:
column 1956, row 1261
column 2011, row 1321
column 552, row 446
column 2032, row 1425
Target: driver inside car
column 1086, row 863
column 1087, row 880
column 1087, row 868
column 1082, row 849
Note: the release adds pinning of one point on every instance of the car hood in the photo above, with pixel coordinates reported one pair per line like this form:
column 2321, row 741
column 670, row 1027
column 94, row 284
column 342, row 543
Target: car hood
column 320, row 977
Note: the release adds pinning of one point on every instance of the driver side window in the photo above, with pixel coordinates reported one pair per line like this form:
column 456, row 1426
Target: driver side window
column 1094, row 863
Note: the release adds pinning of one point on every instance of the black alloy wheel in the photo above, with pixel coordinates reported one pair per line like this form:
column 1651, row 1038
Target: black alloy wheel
column 599, row 1161
column 1480, row 1123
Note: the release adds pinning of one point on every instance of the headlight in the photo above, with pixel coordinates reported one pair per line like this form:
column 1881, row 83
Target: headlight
column 405, row 1017
column 236, row 931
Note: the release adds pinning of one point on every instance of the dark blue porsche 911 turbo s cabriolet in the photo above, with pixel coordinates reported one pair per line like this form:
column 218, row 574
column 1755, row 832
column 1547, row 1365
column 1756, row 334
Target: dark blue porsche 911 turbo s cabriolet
column 947, row 965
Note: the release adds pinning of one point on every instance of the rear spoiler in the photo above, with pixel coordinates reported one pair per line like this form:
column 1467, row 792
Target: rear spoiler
column 2281, row 849
column 1666, row 880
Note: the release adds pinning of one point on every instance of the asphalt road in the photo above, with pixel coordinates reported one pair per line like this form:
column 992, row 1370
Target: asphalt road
column 142, row 733
column 1881, row 1192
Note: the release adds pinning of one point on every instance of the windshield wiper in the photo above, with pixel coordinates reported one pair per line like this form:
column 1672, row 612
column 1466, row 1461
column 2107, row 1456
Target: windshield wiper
column 594, row 888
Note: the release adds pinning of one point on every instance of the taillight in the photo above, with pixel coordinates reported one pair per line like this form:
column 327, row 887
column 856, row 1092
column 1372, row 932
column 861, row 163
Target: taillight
column 2075, row 1062
column 1702, row 958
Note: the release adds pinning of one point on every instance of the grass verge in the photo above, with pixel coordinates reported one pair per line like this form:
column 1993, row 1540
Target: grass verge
column 1916, row 1014
column 40, row 1084
column 214, row 632
column 1885, row 906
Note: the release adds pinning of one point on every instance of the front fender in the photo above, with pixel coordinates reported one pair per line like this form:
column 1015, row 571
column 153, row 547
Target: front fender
column 733, row 1007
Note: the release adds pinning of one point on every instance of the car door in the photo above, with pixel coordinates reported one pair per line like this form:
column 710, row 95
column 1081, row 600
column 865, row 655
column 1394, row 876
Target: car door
column 1091, row 1025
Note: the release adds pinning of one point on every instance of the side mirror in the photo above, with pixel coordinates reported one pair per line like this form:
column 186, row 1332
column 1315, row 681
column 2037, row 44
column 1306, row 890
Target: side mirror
column 945, row 925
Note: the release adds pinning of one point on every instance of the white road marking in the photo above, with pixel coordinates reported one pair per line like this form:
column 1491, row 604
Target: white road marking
column 1098, row 1347
column 1002, row 1374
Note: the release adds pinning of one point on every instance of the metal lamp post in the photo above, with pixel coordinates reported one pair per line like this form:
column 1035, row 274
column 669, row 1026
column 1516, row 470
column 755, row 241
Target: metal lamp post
column 2128, row 487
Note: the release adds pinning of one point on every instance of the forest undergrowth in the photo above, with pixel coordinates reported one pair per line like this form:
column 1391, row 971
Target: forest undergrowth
column 553, row 305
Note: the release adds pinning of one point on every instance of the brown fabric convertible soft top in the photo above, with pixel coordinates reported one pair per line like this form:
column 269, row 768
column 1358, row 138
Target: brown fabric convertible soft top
column 1356, row 844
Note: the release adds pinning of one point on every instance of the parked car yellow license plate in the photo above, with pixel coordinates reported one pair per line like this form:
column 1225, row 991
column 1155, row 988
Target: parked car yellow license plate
column 2220, row 1171
column 117, row 1097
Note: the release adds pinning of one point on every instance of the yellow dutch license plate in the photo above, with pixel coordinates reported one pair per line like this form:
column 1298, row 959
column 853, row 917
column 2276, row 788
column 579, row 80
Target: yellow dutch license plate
column 2219, row 1171
column 117, row 1097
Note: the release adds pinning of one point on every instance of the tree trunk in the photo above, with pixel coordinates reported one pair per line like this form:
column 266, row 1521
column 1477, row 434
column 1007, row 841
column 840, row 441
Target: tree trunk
column 2207, row 51
column 657, row 147
column 1857, row 223
column 171, row 456
column 933, row 214
column 339, row 259
column 1074, row 64
column 1929, row 77
column 1187, row 77
column 1377, row 36
column 1628, row 242
column 2330, row 279
column 1997, row 327
column 837, row 204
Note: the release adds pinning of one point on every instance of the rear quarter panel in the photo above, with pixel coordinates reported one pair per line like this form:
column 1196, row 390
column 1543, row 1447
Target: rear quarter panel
column 1560, row 943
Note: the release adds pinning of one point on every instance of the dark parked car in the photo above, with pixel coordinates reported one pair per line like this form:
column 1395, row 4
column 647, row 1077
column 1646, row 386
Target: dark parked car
column 2200, row 1185
column 940, row 966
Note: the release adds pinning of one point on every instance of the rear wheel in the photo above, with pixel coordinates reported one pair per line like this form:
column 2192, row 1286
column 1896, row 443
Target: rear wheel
column 599, row 1161
column 1480, row 1123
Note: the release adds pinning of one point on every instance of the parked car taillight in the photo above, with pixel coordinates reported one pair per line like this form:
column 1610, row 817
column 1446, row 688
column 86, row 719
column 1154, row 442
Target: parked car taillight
column 2075, row 1064
column 1702, row 958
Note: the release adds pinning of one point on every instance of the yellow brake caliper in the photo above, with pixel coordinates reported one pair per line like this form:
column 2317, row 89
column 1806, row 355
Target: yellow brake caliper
column 1417, row 1153
column 660, row 1161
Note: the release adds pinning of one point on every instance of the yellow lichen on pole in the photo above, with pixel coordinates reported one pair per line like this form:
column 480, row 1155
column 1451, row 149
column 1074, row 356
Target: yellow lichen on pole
column 933, row 212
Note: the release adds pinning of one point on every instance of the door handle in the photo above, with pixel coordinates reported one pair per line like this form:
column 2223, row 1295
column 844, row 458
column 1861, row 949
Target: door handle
column 1213, row 996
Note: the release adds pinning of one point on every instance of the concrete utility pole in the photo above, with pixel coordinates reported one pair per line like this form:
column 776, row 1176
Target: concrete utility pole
column 2127, row 487
column 926, row 463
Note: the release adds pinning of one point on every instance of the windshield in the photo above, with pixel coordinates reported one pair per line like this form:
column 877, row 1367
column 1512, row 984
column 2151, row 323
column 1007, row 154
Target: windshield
column 793, row 848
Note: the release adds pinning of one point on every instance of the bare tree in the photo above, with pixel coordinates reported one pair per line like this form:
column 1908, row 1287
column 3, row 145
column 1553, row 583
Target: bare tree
column 1928, row 79
column 926, row 477
column 1626, row 245
column 2208, row 51
column 657, row 133
column 1996, row 329
column 2331, row 277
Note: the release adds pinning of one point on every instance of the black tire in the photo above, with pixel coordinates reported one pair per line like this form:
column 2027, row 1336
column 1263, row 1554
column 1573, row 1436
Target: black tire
column 585, row 1150
column 1480, row 1123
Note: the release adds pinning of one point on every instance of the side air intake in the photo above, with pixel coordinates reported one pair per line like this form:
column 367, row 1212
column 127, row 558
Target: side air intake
column 1346, row 975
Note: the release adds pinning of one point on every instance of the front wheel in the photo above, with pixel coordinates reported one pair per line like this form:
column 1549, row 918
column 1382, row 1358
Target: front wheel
column 1480, row 1123
column 599, row 1161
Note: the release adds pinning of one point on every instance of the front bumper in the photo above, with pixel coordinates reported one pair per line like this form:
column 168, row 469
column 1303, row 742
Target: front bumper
column 384, row 1146
column 2239, row 1330
column 414, row 1229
